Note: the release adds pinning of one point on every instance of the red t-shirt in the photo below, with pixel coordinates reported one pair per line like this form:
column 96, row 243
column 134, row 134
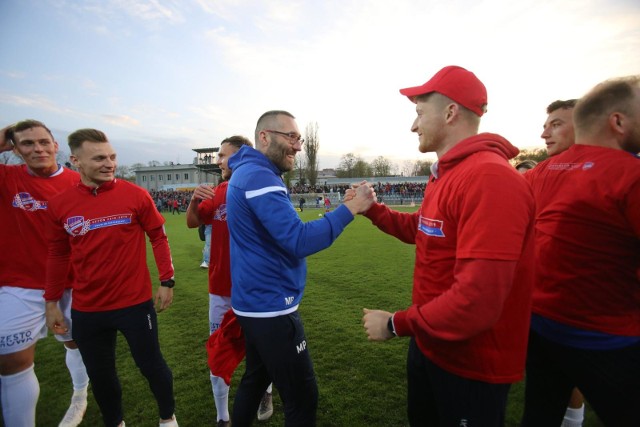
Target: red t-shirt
column 588, row 239
column 101, row 232
column 214, row 212
column 24, row 200
column 474, row 262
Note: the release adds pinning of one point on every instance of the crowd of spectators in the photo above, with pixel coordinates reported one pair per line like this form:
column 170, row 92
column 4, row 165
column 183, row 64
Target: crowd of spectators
column 171, row 201
column 176, row 201
column 399, row 190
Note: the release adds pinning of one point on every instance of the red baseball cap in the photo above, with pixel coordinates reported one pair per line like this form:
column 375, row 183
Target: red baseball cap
column 454, row 82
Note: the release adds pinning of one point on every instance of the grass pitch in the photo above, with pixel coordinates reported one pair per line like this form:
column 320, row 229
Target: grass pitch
column 361, row 383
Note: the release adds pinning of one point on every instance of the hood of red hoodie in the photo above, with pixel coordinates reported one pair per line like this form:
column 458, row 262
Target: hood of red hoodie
column 482, row 142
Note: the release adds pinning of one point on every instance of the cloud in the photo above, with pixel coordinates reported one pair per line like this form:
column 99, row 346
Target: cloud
column 107, row 15
column 89, row 84
column 123, row 121
column 152, row 10
column 34, row 102
column 17, row 75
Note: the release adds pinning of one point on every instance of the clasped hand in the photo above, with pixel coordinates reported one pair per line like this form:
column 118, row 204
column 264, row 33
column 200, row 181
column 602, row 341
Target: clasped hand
column 360, row 197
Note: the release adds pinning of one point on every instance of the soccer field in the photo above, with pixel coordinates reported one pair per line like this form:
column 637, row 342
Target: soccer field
column 360, row 383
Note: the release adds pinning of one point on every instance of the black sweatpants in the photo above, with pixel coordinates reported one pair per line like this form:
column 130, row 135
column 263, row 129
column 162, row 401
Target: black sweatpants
column 439, row 398
column 277, row 352
column 95, row 334
column 608, row 379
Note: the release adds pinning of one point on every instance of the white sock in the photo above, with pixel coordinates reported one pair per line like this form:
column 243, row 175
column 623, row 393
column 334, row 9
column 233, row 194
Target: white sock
column 19, row 398
column 221, row 397
column 573, row 417
column 270, row 388
column 77, row 370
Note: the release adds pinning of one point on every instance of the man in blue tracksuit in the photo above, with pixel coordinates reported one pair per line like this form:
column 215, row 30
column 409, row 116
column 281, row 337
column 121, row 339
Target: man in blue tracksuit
column 269, row 244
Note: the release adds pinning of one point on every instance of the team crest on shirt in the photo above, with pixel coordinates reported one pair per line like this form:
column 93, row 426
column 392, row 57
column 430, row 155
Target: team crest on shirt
column 221, row 213
column 26, row 202
column 78, row 226
column 431, row 227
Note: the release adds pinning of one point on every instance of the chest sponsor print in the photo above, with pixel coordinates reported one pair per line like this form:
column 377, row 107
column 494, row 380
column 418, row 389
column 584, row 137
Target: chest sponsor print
column 78, row 226
column 431, row 227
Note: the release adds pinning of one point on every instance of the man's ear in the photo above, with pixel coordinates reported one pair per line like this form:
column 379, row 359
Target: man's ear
column 263, row 141
column 15, row 150
column 74, row 160
column 451, row 112
column 617, row 123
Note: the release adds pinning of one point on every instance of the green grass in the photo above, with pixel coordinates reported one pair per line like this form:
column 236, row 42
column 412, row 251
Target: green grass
column 361, row 383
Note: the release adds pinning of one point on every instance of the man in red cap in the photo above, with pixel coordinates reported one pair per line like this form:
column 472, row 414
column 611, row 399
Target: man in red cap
column 473, row 274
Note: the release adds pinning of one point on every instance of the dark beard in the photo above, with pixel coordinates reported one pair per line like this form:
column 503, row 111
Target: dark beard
column 278, row 155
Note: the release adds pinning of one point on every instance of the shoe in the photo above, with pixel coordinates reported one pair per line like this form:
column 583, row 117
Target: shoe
column 76, row 410
column 223, row 423
column 265, row 410
column 204, row 265
column 172, row 423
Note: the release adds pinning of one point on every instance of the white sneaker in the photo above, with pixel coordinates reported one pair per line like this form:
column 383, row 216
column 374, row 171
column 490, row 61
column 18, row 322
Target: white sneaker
column 265, row 410
column 76, row 410
column 172, row 423
column 204, row 265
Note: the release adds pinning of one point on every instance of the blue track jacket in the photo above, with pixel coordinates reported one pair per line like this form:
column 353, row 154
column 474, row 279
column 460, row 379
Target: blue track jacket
column 269, row 242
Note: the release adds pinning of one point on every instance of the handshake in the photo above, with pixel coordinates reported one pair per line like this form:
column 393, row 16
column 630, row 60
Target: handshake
column 359, row 197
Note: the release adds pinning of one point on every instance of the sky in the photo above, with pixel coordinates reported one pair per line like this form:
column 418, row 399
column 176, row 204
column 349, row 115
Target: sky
column 162, row 77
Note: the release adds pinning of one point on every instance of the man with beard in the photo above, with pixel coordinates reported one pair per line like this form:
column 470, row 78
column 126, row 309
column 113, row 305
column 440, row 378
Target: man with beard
column 209, row 206
column 269, row 244
column 585, row 327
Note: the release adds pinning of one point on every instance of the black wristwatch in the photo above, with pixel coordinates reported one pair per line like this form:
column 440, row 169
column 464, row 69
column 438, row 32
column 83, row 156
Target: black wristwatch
column 168, row 283
column 390, row 326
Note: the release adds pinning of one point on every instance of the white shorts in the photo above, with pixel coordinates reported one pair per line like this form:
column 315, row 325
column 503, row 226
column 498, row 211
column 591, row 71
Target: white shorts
column 218, row 306
column 22, row 318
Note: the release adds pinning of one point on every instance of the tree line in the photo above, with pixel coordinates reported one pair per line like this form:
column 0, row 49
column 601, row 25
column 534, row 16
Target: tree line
column 354, row 166
column 307, row 165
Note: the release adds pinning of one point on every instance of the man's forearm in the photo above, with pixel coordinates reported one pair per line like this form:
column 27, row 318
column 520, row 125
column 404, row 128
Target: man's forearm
column 193, row 219
column 161, row 252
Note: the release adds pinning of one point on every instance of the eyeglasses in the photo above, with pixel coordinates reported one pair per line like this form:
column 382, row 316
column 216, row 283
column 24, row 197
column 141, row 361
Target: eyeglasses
column 294, row 137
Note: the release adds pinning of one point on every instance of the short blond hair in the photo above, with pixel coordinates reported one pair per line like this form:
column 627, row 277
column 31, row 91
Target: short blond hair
column 615, row 95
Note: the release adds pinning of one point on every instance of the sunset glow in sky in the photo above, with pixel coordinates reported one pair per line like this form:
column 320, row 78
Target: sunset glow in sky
column 161, row 77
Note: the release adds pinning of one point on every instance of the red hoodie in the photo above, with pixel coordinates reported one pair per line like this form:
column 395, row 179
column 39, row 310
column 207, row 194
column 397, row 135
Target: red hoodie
column 474, row 262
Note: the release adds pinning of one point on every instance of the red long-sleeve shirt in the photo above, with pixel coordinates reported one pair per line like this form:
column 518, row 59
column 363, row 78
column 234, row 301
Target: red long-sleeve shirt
column 588, row 239
column 101, row 233
column 24, row 202
column 214, row 212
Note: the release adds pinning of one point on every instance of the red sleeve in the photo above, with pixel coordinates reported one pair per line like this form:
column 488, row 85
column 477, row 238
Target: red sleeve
column 161, row 252
column 401, row 225
column 205, row 211
column 57, row 264
column 472, row 305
